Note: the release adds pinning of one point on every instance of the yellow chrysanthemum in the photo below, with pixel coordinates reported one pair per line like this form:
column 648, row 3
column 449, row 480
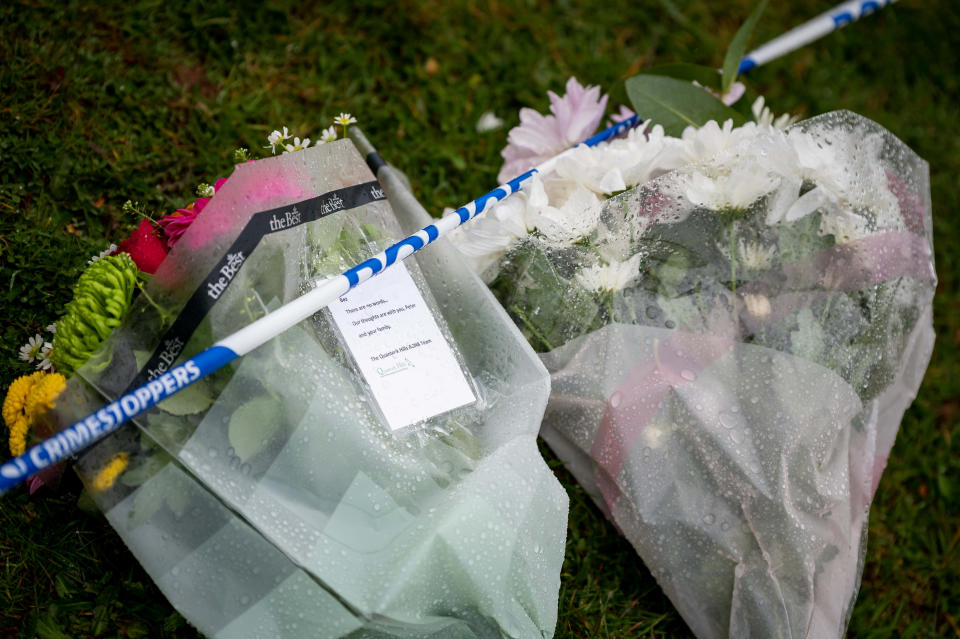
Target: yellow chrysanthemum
column 14, row 415
column 42, row 395
column 18, row 436
column 109, row 473
column 27, row 397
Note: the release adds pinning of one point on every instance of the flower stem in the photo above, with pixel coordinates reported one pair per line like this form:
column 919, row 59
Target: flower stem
column 733, row 257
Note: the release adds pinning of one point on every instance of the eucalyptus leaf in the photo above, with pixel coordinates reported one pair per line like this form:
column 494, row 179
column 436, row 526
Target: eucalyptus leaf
column 177, row 501
column 252, row 424
column 707, row 76
column 809, row 340
column 802, row 238
column 147, row 469
column 167, row 431
column 676, row 104
column 148, row 500
column 192, row 399
column 738, row 47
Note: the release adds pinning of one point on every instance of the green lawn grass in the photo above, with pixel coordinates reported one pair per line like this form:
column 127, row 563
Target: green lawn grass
column 144, row 100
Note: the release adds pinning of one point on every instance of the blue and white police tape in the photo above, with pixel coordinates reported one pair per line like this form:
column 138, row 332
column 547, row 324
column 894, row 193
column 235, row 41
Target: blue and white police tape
column 106, row 420
column 840, row 16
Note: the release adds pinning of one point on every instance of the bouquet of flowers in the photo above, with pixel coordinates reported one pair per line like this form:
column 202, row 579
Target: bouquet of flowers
column 373, row 469
column 735, row 317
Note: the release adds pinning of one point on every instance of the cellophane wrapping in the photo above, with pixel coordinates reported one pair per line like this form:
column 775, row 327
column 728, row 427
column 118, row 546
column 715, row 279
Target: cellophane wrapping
column 732, row 346
column 271, row 499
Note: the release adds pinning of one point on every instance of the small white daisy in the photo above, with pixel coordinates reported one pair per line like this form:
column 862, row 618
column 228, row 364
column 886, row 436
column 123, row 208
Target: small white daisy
column 329, row 134
column 297, row 145
column 52, row 328
column 45, row 362
column 205, row 190
column 276, row 138
column 344, row 119
column 31, row 350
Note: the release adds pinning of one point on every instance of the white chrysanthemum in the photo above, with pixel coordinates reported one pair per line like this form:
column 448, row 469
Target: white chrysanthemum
column 850, row 184
column 614, row 276
column 707, row 143
column 765, row 118
column 617, row 165
column 572, row 220
column 738, row 189
column 488, row 237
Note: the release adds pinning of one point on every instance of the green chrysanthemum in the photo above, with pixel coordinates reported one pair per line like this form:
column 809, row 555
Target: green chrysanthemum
column 100, row 301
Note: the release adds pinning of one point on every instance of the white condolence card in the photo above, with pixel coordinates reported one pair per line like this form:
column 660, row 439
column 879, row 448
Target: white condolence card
column 400, row 349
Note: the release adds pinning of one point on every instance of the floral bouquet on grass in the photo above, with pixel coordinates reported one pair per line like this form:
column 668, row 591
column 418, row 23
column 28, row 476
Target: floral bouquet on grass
column 372, row 471
column 735, row 317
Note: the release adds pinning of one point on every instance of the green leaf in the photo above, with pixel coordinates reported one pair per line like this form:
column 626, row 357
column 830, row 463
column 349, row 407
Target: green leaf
column 253, row 424
column 809, row 340
column 190, row 400
column 148, row 500
column 738, row 47
column 168, row 431
column 147, row 469
column 707, row 76
column 177, row 501
column 676, row 104
column 802, row 238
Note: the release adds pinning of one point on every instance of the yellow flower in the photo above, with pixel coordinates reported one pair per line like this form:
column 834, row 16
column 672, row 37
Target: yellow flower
column 109, row 473
column 27, row 397
column 42, row 395
column 18, row 436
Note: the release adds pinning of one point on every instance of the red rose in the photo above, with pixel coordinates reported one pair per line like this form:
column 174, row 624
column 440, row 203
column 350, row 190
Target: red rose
column 145, row 247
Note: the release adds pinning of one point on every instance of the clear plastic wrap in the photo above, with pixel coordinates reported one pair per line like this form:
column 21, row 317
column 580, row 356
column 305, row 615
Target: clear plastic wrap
column 732, row 346
column 273, row 499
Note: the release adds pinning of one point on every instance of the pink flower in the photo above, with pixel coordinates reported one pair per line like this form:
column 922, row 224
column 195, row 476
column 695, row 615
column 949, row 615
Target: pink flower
column 176, row 224
column 621, row 115
column 539, row 137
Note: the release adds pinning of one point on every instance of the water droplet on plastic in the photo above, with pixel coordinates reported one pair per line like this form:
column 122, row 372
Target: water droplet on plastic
column 709, row 518
column 688, row 375
column 615, row 400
